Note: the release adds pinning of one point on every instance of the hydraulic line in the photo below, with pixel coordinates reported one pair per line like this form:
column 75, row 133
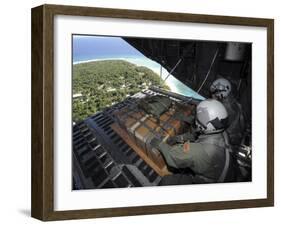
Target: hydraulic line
column 173, row 69
column 208, row 73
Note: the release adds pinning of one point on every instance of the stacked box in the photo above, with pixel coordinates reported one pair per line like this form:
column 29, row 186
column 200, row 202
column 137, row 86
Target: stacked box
column 142, row 127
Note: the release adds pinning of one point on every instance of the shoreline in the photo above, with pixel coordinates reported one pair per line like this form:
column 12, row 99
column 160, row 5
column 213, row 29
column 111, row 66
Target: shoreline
column 152, row 65
column 104, row 59
column 174, row 84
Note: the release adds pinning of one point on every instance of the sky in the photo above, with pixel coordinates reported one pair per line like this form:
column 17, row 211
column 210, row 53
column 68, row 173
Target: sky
column 98, row 47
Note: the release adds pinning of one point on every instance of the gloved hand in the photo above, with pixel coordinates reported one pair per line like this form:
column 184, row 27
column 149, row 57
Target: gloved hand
column 155, row 142
column 172, row 140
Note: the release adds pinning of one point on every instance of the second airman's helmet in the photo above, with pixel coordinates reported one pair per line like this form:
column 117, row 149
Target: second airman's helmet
column 220, row 88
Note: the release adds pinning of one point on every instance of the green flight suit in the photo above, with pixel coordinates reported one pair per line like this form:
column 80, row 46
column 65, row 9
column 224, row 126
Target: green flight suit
column 188, row 136
column 205, row 157
column 236, row 125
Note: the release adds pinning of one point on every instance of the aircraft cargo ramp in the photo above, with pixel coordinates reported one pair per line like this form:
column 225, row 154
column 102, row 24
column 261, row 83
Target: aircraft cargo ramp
column 104, row 158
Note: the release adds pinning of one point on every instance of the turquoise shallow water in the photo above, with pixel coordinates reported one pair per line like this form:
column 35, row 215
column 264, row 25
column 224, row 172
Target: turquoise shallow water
column 174, row 84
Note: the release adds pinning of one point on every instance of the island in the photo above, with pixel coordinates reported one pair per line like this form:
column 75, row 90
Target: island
column 103, row 83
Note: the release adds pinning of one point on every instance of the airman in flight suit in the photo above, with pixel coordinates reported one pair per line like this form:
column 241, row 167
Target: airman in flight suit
column 207, row 157
column 221, row 90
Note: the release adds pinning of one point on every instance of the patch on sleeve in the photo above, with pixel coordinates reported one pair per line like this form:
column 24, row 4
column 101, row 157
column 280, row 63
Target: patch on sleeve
column 186, row 147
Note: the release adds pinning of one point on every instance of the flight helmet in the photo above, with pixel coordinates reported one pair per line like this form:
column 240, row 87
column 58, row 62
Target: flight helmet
column 211, row 116
column 220, row 88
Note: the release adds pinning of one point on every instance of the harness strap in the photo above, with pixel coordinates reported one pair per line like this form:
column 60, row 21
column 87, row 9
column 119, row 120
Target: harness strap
column 227, row 158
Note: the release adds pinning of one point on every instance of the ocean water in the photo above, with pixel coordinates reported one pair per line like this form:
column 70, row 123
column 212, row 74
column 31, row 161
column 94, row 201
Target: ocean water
column 93, row 48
